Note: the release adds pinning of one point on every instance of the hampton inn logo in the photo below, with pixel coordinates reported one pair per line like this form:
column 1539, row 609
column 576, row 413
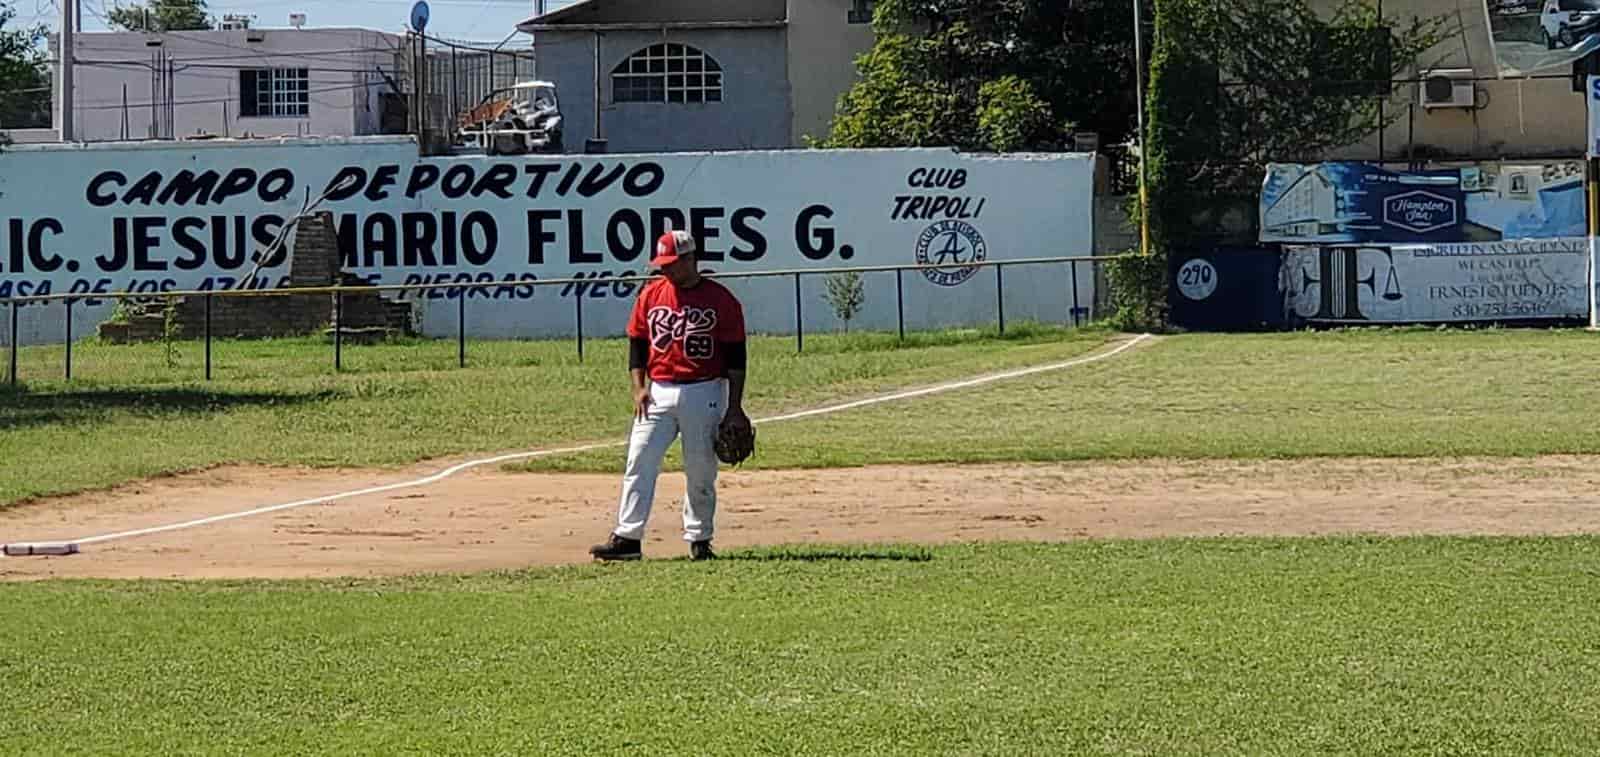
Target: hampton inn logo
column 1419, row 212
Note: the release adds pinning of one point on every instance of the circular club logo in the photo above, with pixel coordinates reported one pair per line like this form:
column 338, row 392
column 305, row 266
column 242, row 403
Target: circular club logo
column 1197, row 279
column 951, row 246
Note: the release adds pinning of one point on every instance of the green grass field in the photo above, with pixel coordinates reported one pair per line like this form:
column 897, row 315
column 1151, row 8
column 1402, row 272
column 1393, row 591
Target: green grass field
column 1289, row 646
column 128, row 415
column 1426, row 646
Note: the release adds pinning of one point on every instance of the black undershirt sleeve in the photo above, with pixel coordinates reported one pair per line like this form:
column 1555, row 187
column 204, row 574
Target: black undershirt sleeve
column 733, row 355
column 638, row 353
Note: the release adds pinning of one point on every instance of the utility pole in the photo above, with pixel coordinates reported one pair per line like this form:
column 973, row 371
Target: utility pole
column 1138, row 77
column 69, row 12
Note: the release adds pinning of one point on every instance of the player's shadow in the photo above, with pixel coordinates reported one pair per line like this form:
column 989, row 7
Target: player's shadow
column 22, row 409
column 889, row 554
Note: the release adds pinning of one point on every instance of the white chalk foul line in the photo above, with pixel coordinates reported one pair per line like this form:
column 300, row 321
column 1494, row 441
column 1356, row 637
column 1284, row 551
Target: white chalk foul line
column 20, row 548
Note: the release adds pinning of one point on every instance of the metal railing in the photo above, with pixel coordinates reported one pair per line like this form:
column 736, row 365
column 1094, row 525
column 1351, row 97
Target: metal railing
column 1077, row 312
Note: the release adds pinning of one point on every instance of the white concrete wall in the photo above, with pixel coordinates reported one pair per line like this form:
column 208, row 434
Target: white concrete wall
column 344, row 81
column 823, row 46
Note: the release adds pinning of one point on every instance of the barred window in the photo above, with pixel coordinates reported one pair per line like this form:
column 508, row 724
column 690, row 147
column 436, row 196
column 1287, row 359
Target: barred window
column 667, row 73
column 275, row 92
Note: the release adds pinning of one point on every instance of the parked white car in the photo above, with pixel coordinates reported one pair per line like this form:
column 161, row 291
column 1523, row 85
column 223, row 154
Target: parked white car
column 1565, row 22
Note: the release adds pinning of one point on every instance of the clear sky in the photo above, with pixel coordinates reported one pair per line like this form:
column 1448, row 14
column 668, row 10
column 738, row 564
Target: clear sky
column 475, row 20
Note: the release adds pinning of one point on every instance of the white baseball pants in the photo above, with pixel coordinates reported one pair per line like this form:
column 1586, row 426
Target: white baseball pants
column 695, row 411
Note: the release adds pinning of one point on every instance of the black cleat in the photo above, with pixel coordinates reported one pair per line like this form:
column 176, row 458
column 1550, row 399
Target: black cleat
column 617, row 548
column 701, row 550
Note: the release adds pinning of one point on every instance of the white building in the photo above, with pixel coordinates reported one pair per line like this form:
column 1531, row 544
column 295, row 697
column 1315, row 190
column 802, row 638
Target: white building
column 236, row 82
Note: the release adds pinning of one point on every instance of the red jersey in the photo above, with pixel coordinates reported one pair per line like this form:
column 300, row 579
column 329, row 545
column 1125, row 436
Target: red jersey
column 684, row 326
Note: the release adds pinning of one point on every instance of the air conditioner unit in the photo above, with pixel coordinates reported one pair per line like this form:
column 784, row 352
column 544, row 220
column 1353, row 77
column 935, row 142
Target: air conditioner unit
column 1448, row 88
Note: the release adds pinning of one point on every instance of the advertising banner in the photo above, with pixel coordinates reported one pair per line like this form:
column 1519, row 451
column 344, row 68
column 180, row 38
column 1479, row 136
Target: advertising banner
column 1541, row 36
column 1359, row 203
column 184, row 216
column 1447, row 282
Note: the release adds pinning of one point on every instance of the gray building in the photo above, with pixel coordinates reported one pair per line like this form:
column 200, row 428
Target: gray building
column 677, row 75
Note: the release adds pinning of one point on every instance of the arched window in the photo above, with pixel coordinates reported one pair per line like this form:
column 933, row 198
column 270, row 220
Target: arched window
column 667, row 73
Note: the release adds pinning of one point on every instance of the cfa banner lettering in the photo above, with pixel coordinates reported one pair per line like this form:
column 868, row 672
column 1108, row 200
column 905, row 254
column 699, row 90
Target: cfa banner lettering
column 1358, row 203
column 200, row 216
column 1471, row 281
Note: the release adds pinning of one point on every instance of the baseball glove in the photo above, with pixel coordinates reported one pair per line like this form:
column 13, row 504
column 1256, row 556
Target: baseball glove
column 736, row 440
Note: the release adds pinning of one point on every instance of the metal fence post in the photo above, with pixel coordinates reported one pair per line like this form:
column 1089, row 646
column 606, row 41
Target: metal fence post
column 461, row 330
column 208, row 337
column 1000, row 296
column 13, row 343
column 799, row 320
column 338, row 330
column 900, row 303
column 1074, row 293
column 69, row 338
column 578, row 306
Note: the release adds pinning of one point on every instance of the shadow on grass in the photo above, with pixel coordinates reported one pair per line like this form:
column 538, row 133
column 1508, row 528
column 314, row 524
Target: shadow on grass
column 1026, row 332
column 817, row 554
column 21, row 408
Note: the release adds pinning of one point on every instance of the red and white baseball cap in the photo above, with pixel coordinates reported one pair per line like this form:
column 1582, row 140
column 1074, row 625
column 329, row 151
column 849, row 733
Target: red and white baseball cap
column 670, row 246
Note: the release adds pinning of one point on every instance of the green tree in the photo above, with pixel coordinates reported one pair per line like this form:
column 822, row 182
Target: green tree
column 24, row 80
column 1236, row 84
column 162, row 16
column 991, row 75
column 847, row 294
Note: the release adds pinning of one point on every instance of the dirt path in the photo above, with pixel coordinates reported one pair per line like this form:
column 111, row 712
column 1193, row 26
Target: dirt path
column 489, row 519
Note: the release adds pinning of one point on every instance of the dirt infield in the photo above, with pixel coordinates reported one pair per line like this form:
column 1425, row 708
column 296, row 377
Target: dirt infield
column 489, row 519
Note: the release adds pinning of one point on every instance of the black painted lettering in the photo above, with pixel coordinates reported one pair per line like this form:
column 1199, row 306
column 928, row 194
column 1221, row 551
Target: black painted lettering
column 457, row 181
column 704, row 233
column 447, row 239
column 345, row 230
column 748, row 234
column 188, row 187
column 644, row 179
column 662, row 220
column 38, row 258
column 537, row 236
column 346, row 184
column 476, row 222
column 424, row 175
column 183, row 233
column 276, row 184
column 917, row 177
column 575, row 252
column 566, row 181
column 816, row 242
column 263, row 230
column 118, row 256
column 237, row 182
column 628, row 249
column 497, row 181
column 144, row 190
column 419, row 233
column 378, row 235
column 539, row 171
column 145, row 242
column 228, row 249
column 385, row 176
column 594, row 183
column 94, row 194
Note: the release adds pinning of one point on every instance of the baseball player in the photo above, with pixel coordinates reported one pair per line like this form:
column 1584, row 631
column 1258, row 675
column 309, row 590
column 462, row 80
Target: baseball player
column 687, row 361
